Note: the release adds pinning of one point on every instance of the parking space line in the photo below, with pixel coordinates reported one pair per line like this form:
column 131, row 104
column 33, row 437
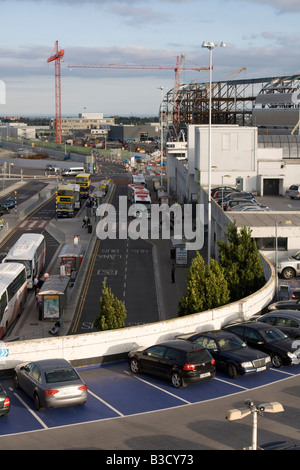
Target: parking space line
column 161, row 389
column 31, row 411
column 284, row 372
column 105, row 403
column 231, row 383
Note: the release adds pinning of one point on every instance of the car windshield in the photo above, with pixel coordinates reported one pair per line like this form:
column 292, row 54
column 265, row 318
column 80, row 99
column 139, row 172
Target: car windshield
column 272, row 334
column 230, row 343
column 60, row 375
column 296, row 256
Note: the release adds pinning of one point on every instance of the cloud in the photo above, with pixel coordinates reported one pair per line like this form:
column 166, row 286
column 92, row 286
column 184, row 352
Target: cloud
column 282, row 6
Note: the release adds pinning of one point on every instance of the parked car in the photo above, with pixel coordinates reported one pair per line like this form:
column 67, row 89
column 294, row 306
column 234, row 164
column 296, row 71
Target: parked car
column 4, row 402
column 4, row 210
column 237, row 195
column 248, row 208
column 51, row 383
column 177, row 360
column 231, row 354
column 279, row 445
column 288, row 304
column 287, row 321
column 294, row 191
column 218, row 190
column 9, row 203
column 231, row 204
column 268, row 339
column 295, row 294
column 289, row 267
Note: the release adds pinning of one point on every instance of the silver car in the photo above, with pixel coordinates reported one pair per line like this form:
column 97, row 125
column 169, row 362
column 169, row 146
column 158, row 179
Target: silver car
column 290, row 267
column 51, row 383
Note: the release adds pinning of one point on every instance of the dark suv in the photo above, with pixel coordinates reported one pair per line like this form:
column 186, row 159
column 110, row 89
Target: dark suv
column 177, row 360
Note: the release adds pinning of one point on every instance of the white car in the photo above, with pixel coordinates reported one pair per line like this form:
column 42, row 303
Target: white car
column 290, row 267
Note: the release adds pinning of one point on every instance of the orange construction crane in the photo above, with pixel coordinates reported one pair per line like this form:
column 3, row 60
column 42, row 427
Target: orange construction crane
column 57, row 57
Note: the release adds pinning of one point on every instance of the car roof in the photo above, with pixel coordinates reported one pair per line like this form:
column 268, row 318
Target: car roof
column 51, row 363
column 282, row 313
column 179, row 344
column 255, row 325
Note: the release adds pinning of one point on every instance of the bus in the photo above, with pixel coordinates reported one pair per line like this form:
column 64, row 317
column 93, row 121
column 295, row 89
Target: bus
column 67, row 200
column 13, row 294
column 30, row 250
column 84, row 181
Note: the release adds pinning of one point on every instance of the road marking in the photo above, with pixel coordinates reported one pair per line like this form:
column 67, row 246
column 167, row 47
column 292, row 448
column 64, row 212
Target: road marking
column 159, row 388
column 31, row 411
column 230, row 383
column 105, row 403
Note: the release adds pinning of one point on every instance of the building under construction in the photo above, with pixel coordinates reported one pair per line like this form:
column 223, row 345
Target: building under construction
column 272, row 104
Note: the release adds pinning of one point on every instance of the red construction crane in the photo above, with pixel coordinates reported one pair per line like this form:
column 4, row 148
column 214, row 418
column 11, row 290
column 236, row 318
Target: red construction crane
column 57, row 57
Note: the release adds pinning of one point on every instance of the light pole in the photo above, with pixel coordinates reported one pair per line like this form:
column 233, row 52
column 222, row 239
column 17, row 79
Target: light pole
column 161, row 134
column 210, row 46
column 240, row 413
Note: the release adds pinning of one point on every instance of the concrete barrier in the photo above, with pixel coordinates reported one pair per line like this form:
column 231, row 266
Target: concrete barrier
column 103, row 346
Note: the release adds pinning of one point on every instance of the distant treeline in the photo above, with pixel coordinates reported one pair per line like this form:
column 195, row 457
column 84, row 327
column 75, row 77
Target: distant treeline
column 44, row 121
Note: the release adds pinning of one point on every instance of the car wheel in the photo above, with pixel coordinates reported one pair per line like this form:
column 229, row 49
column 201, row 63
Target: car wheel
column 134, row 366
column 176, row 380
column 232, row 371
column 16, row 381
column 37, row 402
column 288, row 273
column 276, row 360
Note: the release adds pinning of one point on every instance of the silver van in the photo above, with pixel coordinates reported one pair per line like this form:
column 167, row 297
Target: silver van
column 294, row 191
column 73, row 171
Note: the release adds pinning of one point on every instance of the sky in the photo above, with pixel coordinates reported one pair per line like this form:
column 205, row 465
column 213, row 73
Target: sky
column 261, row 35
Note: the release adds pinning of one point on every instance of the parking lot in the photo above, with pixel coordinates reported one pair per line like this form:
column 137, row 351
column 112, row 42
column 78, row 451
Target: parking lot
column 115, row 392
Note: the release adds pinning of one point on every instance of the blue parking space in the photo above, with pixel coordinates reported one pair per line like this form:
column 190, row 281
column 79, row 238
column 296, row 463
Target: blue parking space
column 115, row 392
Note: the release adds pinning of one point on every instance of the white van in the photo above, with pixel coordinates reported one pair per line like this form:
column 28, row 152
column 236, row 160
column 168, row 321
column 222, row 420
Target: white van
column 73, row 171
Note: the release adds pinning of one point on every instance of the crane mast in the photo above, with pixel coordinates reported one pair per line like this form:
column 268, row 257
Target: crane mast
column 57, row 57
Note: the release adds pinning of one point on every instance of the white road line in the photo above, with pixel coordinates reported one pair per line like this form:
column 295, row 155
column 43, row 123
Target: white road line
column 105, row 403
column 31, row 411
column 230, row 383
column 159, row 388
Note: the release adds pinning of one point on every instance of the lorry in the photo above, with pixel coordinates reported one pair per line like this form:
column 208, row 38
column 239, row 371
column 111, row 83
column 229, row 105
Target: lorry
column 137, row 194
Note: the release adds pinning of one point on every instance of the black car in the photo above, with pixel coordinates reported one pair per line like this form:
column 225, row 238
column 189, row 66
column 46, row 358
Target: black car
column 289, row 304
column 4, row 210
column 177, row 360
column 231, row 354
column 4, row 402
column 287, row 321
column 219, row 189
column 268, row 339
column 9, row 203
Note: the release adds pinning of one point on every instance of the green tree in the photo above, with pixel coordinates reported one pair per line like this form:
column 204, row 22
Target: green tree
column 112, row 311
column 206, row 287
column 239, row 256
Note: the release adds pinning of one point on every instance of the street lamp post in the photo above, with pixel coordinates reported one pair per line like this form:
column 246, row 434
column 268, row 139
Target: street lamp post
column 161, row 135
column 210, row 46
column 240, row 413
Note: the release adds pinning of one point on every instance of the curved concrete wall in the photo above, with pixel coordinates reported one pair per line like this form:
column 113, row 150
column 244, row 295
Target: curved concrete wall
column 94, row 348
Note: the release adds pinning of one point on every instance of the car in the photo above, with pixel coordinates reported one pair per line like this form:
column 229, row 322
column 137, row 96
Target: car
column 288, row 304
column 9, row 203
column 295, row 294
column 52, row 168
column 233, row 203
column 4, row 402
column 248, row 208
column 4, row 210
column 231, row 354
column 287, row 321
column 294, row 191
column 217, row 192
column 52, row 383
column 267, row 338
column 289, row 267
column 279, row 445
column 236, row 195
column 179, row 361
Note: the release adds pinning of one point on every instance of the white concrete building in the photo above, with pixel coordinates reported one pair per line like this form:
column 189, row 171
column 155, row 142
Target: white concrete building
column 236, row 161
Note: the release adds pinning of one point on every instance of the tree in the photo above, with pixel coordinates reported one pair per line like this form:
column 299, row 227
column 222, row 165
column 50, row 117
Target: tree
column 112, row 311
column 206, row 287
column 239, row 257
